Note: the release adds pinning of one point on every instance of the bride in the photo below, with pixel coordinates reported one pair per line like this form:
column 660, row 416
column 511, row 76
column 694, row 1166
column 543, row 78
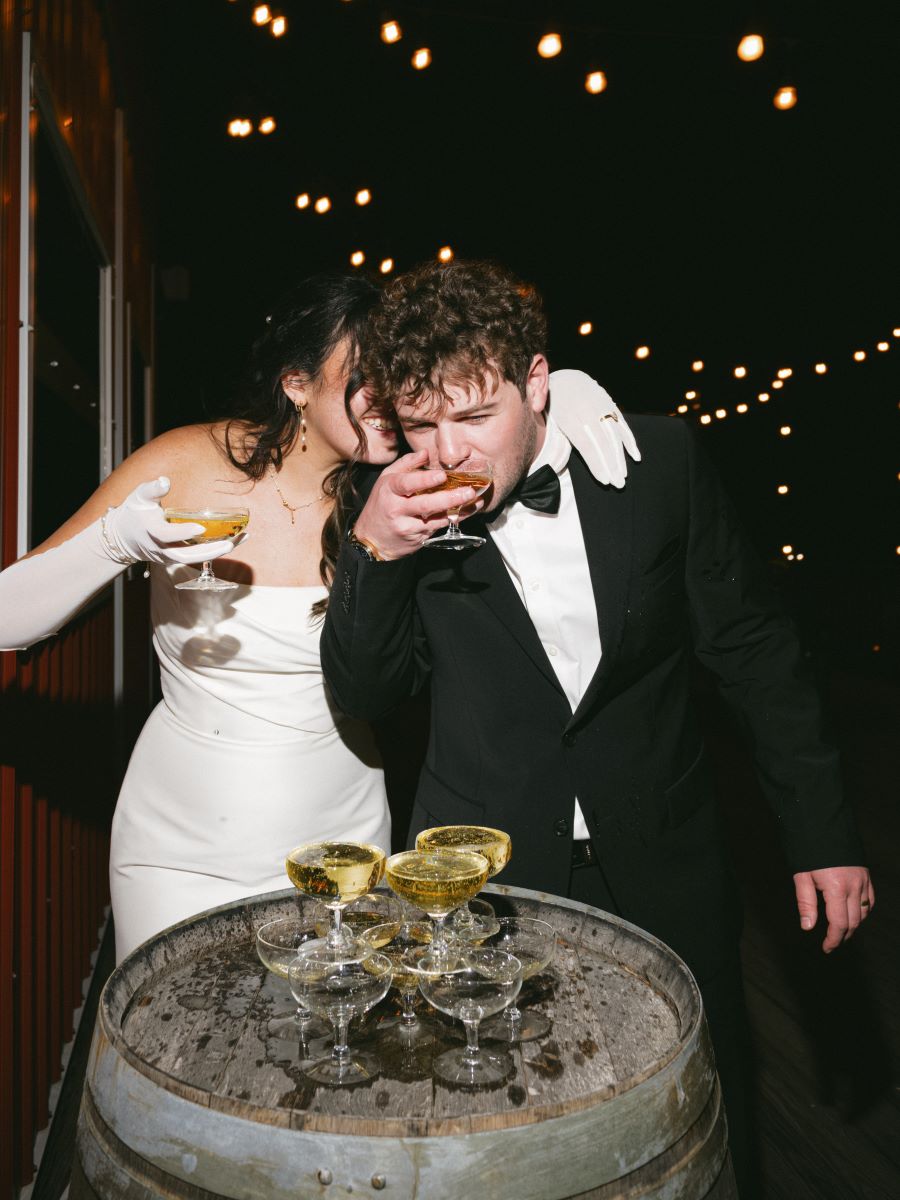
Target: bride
column 245, row 755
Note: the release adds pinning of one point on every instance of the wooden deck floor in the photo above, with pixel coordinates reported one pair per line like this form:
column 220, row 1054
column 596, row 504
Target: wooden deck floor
column 827, row 1028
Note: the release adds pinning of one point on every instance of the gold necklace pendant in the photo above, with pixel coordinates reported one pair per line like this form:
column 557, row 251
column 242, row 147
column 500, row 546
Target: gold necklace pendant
column 292, row 508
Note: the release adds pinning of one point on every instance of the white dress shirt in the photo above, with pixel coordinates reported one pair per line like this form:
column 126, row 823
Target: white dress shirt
column 545, row 556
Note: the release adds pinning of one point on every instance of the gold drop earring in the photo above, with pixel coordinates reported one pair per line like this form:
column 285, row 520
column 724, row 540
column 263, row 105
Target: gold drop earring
column 300, row 408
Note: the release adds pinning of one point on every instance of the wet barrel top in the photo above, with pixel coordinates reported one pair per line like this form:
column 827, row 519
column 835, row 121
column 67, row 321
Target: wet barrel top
column 190, row 1012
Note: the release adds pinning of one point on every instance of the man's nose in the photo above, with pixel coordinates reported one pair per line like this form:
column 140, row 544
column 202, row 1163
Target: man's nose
column 450, row 446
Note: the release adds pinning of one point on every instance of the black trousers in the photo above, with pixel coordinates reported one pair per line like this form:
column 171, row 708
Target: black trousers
column 726, row 1015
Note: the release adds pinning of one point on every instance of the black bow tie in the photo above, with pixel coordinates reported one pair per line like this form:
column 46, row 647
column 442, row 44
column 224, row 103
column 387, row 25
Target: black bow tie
column 539, row 491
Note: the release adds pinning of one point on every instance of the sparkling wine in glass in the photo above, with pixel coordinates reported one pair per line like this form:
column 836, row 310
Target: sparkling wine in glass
column 495, row 845
column 278, row 943
column 340, row 989
column 532, row 942
column 437, row 881
column 218, row 523
column 336, row 873
column 479, row 983
column 475, row 473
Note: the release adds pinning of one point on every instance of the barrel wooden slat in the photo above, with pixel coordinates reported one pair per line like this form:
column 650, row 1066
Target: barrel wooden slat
column 189, row 1096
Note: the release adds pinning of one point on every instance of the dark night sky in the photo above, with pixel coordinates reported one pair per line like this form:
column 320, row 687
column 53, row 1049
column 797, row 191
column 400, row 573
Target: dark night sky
column 677, row 209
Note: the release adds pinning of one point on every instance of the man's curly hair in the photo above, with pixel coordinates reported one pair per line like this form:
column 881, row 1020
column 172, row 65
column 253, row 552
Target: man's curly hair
column 454, row 324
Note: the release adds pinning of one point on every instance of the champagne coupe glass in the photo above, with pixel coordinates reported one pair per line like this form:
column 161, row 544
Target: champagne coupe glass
column 532, row 942
column 437, row 881
column 336, row 873
column 340, row 988
column 481, row 982
column 217, row 523
column 474, row 472
column 495, row 845
column 278, row 943
column 397, row 942
column 373, row 909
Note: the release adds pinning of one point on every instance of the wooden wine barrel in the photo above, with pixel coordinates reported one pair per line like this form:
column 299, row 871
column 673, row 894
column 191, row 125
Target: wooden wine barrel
column 188, row 1096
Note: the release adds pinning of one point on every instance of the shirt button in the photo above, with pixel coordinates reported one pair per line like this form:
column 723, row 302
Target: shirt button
column 536, row 587
column 561, row 827
column 569, row 739
column 552, row 651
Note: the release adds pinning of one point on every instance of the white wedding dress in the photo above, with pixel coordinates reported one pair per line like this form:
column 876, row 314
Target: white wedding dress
column 244, row 758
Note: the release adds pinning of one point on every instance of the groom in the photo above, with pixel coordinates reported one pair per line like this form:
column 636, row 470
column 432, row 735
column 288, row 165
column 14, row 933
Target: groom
column 559, row 653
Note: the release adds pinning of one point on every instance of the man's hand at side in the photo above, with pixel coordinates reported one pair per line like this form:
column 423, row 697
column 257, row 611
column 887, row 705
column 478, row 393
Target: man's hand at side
column 849, row 898
column 399, row 515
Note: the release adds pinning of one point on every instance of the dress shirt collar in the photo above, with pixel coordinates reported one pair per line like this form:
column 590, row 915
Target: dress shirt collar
column 555, row 450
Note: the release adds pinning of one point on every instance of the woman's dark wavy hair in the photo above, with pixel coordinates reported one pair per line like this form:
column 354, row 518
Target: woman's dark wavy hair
column 301, row 331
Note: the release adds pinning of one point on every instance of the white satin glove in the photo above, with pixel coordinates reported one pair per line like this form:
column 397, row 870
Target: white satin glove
column 586, row 414
column 137, row 531
column 38, row 595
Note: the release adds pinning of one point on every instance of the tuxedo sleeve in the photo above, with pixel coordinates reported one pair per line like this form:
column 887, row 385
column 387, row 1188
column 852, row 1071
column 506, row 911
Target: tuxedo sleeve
column 374, row 654
column 743, row 636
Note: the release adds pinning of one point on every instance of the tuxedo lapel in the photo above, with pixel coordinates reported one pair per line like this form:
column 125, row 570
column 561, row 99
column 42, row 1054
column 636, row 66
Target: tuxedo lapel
column 606, row 516
column 484, row 573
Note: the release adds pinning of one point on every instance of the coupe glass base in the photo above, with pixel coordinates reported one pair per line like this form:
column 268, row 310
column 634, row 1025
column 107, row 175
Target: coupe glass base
column 532, row 1026
column 206, row 585
column 492, row 1067
column 358, row 1069
column 465, row 541
column 291, row 1029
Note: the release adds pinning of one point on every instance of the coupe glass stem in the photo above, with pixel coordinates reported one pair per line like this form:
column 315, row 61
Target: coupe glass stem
column 471, row 1055
column 335, row 933
column 512, row 1015
column 408, row 1017
column 340, row 1051
column 452, row 525
column 439, row 937
column 206, row 574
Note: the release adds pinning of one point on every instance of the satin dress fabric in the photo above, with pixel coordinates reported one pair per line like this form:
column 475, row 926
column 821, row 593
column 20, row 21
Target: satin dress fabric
column 244, row 758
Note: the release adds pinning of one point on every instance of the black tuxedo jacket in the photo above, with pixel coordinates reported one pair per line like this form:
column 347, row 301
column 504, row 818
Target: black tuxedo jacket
column 672, row 577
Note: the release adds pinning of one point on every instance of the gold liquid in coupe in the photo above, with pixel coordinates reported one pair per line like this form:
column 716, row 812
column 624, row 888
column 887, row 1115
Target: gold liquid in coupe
column 330, row 870
column 437, row 881
column 494, row 844
column 218, row 524
column 479, row 480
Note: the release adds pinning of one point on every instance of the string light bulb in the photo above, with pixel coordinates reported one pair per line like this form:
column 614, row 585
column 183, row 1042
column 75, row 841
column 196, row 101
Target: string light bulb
column 820, row 368
column 705, row 419
column 267, row 125
column 445, row 254
column 697, row 364
column 785, row 98
column 585, row 328
column 740, row 372
column 785, row 373
column 787, row 549
column 751, row 47
column 278, row 26
column 302, row 200
column 682, row 408
column 422, row 58
column 859, row 355
column 799, row 558
column 690, row 395
column 550, row 45
column 262, row 14
column 777, row 384
column 883, row 346
column 322, row 205
column 363, row 197
column 763, row 397
column 721, row 413
column 896, row 332
column 785, row 431
column 742, row 408
column 782, row 489
column 357, row 258
column 386, row 266
column 391, row 32
column 642, row 352
column 595, row 82
column 240, row 127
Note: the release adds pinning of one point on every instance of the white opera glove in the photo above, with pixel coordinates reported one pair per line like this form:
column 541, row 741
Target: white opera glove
column 137, row 531
column 38, row 595
column 587, row 415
